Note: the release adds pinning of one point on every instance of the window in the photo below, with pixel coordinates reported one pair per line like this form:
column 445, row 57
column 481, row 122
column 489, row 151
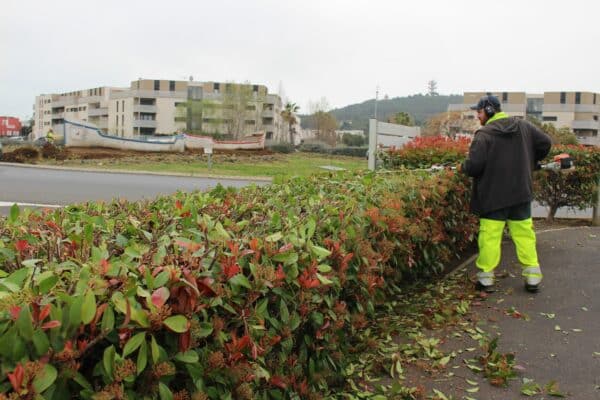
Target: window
column 172, row 86
column 156, row 85
column 255, row 88
column 594, row 98
column 577, row 97
column 117, row 119
column 595, row 118
column 216, row 86
column 122, row 119
column 123, row 106
column 269, row 135
column 117, row 106
column 563, row 97
column 504, row 97
column 550, row 118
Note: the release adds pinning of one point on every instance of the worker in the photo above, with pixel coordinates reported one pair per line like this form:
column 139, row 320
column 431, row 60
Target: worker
column 501, row 160
column 50, row 137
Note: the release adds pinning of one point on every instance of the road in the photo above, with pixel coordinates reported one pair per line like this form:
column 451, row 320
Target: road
column 39, row 186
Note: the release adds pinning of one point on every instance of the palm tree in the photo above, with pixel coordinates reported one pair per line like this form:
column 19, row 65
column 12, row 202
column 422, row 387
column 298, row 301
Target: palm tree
column 289, row 115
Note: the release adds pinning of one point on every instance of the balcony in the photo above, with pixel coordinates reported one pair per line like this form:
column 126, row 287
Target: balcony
column 144, row 108
column 589, row 140
column 94, row 112
column 144, row 123
column 59, row 115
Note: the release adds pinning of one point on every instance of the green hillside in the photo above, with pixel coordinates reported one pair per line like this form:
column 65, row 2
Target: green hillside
column 419, row 106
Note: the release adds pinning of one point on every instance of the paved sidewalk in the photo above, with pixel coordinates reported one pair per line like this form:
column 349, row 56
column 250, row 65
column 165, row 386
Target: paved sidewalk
column 558, row 339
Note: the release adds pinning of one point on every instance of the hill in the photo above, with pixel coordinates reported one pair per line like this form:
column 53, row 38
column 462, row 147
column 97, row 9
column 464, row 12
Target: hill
column 420, row 107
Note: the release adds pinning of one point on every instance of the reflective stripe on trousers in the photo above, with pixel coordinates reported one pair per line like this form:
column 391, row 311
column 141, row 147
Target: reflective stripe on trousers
column 490, row 241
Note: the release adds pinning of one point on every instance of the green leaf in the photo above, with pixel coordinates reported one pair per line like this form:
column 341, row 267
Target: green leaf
column 154, row 350
column 240, row 280
column 324, row 280
column 189, row 357
column 40, row 342
column 25, row 324
column 142, row 359
column 177, row 323
column 108, row 319
column 14, row 213
column 274, row 237
column 133, row 343
column 205, row 330
column 82, row 381
column 88, row 308
column 46, row 281
column 319, row 252
column 75, row 312
column 164, row 391
column 44, row 379
column 108, row 361
column 324, row 268
column 284, row 313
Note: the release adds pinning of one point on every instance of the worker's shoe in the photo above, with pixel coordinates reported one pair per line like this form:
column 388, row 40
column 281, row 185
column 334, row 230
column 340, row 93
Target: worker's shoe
column 533, row 278
column 485, row 282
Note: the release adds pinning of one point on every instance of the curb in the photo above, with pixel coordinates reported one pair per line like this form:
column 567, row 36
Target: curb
column 122, row 171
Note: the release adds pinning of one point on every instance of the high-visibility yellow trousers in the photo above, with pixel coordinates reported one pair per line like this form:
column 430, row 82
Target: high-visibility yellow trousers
column 490, row 244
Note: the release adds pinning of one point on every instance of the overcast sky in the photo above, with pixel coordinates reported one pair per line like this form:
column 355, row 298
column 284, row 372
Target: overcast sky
column 337, row 49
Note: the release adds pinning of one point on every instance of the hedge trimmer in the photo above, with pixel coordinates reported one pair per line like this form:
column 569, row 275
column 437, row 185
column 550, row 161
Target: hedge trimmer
column 561, row 161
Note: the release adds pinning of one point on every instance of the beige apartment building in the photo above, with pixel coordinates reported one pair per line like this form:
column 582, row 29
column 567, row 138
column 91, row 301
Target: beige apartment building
column 577, row 111
column 161, row 107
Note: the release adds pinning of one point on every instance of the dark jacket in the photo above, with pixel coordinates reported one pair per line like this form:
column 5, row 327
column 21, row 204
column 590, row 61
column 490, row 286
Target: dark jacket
column 501, row 160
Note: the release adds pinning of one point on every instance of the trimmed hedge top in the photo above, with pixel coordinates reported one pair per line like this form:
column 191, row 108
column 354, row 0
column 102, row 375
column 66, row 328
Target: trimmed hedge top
column 243, row 294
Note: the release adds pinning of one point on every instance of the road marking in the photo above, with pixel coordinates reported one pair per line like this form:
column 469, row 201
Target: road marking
column 10, row 204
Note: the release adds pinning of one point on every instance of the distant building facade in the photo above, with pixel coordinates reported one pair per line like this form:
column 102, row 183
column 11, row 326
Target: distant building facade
column 151, row 107
column 578, row 111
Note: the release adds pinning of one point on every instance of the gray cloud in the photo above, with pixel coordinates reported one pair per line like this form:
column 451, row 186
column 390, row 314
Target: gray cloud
column 338, row 49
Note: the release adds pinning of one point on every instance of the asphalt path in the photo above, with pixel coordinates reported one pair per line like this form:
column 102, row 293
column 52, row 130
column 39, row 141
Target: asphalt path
column 51, row 187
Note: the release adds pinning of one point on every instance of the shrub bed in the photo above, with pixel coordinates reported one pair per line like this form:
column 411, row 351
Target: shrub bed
column 250, row 294
column 574, row 189
column 339, row 151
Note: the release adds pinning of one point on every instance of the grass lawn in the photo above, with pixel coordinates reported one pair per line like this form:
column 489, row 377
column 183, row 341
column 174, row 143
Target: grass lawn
column 276, row 166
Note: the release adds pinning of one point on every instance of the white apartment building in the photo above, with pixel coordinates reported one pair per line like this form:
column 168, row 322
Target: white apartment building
column 577, row 111
column 155, row 107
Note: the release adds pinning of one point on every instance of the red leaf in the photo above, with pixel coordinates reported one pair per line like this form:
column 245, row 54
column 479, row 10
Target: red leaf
column 278, row 381
column 204, row 287
column 178, row 205
column 231, row 270
column 160, row 296
column 105, row 265
column 188, row 245
column 285, row 248
column 280, row 273
column 51, row 324
column 14, row 312
column 16, row 378
column 44, row 313
column 185, row 340
column 22, row 245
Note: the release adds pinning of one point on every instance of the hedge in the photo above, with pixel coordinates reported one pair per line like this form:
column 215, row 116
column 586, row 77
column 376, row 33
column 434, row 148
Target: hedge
column 257, row 293
column 574, row 189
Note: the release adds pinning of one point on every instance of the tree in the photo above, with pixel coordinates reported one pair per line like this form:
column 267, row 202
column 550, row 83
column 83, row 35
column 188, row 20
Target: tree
column 192, row 113
column 402, row 118
column 323, row 121
column 289, row 116
column 432, row 88
column 449, row 123
column 236, row 106
column 562, row 135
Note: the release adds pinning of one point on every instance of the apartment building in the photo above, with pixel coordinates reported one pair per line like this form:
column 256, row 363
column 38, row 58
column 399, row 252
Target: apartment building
column 577, row 111
column 155, row 107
